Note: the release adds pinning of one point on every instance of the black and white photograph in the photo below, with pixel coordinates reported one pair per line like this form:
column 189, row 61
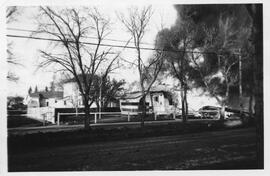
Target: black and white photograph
column 126, row 86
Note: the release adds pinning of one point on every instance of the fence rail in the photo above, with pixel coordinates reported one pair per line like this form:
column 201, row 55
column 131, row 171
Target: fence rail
column 128, row 114
column 95, row 115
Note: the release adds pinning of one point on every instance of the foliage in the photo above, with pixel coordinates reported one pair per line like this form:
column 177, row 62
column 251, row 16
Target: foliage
column 15, row 102
column 107, row 90
column 223, row 32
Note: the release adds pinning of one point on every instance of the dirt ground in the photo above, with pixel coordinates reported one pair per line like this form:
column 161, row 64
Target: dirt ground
column 230, row 149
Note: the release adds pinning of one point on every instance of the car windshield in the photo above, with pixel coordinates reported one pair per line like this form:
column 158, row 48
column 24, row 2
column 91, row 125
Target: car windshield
column 210, row 108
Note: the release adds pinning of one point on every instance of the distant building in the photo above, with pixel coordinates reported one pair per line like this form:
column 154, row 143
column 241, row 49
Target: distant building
column 45, row 99
column 72, row 94
column 157, row 101
column 73, row 97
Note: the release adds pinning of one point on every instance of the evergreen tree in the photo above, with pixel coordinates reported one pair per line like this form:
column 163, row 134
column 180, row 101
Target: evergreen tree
column 36, row 89
column 30, row 90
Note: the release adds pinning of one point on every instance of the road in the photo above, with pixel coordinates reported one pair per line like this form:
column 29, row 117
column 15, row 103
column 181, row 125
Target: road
column 230, row 149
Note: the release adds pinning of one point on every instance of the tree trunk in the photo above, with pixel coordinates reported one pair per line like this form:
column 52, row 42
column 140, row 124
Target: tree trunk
column 183, row 106
column 250, row 107
column 258, row 71
column 97, row 104
column 256, row 13
column 87, row 117
column 222, row 112
column 152, row 104
column 186, row 103
column 225, row 101
column 87, row 113
column 142, row 110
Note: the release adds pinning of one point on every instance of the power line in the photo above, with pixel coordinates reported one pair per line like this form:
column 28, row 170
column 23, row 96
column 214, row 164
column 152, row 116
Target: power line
column 110, row 45
column 90, row 37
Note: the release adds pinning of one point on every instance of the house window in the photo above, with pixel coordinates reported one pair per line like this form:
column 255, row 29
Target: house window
column 156, row 98
column 65, row 103
column 47, row 103
column 55, row 101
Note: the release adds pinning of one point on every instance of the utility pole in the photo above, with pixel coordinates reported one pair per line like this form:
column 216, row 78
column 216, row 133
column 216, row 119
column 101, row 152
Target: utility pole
column 100, row 87
column 240, row 81
column 218, row 61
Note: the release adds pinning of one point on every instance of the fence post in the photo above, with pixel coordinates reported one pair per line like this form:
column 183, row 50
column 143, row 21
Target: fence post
column 155, row 114
column 58, row 118
column 43, row 115
column 128, row 117
column 95, row 117
column 174, row 115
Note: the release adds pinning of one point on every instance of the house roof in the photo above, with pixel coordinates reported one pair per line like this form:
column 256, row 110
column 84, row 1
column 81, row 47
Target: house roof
column 73, row 79
column 138, row 94
column 46, row 95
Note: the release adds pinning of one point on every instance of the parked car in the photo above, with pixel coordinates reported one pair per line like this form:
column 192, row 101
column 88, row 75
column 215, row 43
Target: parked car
column 213, row 112
column 237, row 114
column 209, row 112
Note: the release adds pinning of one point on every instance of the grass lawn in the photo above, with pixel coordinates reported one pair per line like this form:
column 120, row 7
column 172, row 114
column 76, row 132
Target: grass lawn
column 22, row 121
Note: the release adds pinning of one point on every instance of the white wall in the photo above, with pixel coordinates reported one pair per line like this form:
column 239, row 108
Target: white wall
column 72, row 95
column 197, row 99
column 32, row 102
column 40, row 113
column 57, row 103
column 160, row 107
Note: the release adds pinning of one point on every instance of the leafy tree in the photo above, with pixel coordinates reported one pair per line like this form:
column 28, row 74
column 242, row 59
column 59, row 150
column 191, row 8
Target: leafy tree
column 239, row 26
column 15, row 102
column 30, row 90
column 178, row 42
column 221, row 32
column 36, row 89
column 107, row 90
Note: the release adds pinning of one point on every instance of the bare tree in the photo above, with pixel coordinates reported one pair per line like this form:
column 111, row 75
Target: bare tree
column 70, row 26
column 136, row 23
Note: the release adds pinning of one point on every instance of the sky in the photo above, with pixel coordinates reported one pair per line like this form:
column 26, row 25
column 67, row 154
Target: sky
column 26, row 50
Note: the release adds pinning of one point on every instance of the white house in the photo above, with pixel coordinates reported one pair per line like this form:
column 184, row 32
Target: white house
column 73, row 97
column 72, row 94
column 41, row 104
column 45, row 99
column 158, row 101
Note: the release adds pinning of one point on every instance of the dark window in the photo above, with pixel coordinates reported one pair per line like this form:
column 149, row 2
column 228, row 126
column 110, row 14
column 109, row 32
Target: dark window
column 156, row 99
column 55, row 101
column 65, row 103
column 47, row 103
column 133, row 103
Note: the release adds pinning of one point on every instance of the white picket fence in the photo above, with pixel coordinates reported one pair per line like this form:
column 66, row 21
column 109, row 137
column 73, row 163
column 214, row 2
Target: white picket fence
column 98, row 114
column 95, row 115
